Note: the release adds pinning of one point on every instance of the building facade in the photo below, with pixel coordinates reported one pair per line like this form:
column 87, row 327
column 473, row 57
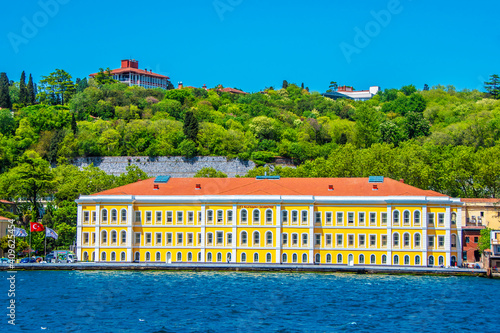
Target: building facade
column 130, row 74
column 481, row 212
column 348, row 221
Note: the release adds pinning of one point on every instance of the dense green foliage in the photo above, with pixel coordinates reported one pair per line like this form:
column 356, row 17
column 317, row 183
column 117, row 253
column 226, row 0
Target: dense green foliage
column 484, row 240
column 437, row 138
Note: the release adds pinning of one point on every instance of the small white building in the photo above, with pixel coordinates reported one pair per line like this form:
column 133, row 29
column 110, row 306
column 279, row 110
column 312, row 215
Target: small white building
column 360, row 95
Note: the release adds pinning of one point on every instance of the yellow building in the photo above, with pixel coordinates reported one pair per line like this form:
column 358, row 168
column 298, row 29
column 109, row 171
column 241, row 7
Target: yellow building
column 349, row 221
column 481, row 212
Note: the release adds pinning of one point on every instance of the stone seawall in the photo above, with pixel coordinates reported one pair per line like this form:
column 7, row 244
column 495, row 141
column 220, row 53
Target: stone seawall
column 175, row 166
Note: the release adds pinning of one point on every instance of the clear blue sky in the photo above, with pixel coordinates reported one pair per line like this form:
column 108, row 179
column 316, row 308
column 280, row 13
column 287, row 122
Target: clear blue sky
column 253, row 44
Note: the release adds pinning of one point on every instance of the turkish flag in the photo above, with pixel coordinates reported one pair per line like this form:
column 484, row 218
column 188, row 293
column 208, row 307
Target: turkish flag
column 36, row 227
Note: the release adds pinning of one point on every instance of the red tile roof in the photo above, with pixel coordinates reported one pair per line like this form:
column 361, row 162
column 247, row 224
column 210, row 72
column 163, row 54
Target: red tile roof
column 480, row 200
column 283, row 186
column 136, row 71
column 6, row 202
column 3, row 219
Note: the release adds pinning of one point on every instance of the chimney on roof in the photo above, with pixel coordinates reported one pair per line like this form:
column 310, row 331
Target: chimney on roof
column 402, row 180
column 156, row 186
column 198, row 186
column 375, row 187
column 330, row 187
column 180, row 85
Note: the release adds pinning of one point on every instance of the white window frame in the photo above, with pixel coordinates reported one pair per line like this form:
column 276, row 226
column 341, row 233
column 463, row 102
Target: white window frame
column 374, row 222
column 181, row 214
column 328, row 218
column 361, row 218
column 339, row 218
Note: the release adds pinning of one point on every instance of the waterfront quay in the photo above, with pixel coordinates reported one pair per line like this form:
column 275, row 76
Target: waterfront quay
column 391, row 270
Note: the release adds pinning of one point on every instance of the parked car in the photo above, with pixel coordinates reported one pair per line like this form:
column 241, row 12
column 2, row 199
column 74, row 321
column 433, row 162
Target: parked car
column 27, row 260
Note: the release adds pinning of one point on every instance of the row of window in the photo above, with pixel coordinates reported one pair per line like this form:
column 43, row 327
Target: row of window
column 220, row 238
column 284, row 258
column 221, row 217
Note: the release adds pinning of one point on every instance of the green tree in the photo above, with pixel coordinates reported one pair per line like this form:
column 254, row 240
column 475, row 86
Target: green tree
column 23, row 90
column 104, row 77
column 31, row 91
column 333, row 86
column 190, row 127
column 60, row 85
column 493, row 86
column 408, row 90
column 33, row 179
column 416, row 125
column 484, row 240
column 5, row 101
column 285, row 84
column 209, row 173
column 187, row 148
column 81, row 85
column 367, row 126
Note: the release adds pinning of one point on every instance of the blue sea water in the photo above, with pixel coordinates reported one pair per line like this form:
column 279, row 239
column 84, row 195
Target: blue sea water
column 81, row 301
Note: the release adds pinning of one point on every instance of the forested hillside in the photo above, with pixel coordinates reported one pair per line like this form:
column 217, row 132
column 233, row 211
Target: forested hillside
column 437, row 138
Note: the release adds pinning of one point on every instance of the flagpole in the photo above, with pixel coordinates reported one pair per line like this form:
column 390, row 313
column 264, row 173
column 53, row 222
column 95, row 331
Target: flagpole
column 45, row 239
column 29, row 250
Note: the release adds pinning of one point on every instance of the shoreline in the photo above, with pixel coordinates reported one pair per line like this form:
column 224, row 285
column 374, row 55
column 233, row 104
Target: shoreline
column 389, row 270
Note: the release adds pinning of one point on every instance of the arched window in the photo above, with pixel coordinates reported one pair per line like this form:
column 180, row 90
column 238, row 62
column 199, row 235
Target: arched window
column 123, row 237
column 113, row 256
column 417, row 240
column 441, row 260
column 244, row 238
column 295, row 239
column 295, row 216
column 113, row 237
column 285, row 257
column 255, row 257
column 228, row 257
column 243, row 257
column 416, row 217
column 395, row 239
column 148, row 256
column 339, row 258
column 209, row 256
column 431, row 260
column 361, row 259
column 407, row 259
column 396, row 260
column 453, row 218
column 104, row 237
column 114, row 215
column 328, row 258
column 453, row 260
column 244, row 216
column 199, row 256
column 317, row 258
column 269, row 238
column 219, row 257
column 305, row 237
column 269, row 216
column 169, row 258
column 304, row 258
column 269, row 258
column 137, row 256
column 417, row 260
column 158, row 256
column 453, row 240
column 395, row 217
column 104, row 215
column 373, row 259
column 294, row 257
column 122, row 256
column 406, row 239
column 406, row 217
column 103, row 256
column 256, row 238
column 179, row 256
column 190, row 256
column 384, row 259
column 85, row 256
column 256, row 216
column 123, row 215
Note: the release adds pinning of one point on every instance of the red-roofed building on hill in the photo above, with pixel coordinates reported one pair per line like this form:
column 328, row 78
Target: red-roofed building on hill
column 130, row 74
column 268, row 219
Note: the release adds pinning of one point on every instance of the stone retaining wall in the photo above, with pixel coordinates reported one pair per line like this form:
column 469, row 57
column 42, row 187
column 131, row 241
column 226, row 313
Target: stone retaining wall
column 175, row 166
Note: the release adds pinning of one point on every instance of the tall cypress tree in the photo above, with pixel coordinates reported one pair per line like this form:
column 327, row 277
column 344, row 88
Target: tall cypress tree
column 31, row 91
column 4, row 92
column 23, row 91
column 190, row 126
